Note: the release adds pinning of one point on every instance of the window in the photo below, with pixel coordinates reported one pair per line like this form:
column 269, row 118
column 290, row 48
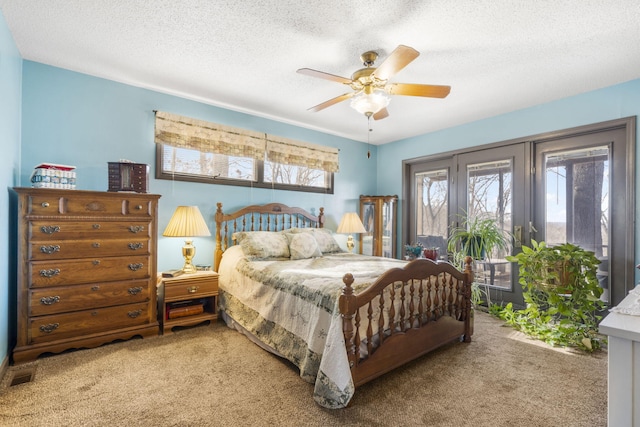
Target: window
column 432, row 202
column 194, row 150
column 183, row 164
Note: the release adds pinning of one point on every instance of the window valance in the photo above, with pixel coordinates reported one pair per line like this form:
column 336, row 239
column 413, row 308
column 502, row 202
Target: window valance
column 289, row 152
column 184, row 132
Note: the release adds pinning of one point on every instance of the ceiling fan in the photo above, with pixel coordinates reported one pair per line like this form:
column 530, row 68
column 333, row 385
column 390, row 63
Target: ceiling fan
column 371, row 84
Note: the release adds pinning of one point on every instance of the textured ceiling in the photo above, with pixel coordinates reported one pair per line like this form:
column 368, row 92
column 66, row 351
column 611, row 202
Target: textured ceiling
column 497, row 55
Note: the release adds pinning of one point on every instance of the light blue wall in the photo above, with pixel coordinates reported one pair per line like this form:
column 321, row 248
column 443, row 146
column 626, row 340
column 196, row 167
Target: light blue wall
column 10, row 103
column 79, row 120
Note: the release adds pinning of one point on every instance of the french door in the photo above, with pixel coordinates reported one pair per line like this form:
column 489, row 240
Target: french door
column 580, row 198
column 490, row 184
column 573, row 186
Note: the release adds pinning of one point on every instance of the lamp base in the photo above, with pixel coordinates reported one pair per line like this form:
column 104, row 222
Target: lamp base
column 350, row 243
column 188, row 252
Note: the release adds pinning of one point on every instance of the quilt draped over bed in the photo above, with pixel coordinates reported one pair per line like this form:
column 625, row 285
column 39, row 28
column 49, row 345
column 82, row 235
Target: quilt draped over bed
column 309, row 332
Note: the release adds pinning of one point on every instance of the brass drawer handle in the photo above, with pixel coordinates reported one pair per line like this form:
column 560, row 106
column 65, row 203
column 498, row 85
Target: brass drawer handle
column 135, row 291
column 135, row 246
column 193, row 289
column 50, row 272
column 49, row 328
column 136, row 267
column 49, row 300
column 45, row 204
column 95, row 288
column 96, row 226
column 136, row 228
column 95, row 262
column 50, row 229
column 49, row 249
column 139, row 207
column 95, row 245
column 134, row 314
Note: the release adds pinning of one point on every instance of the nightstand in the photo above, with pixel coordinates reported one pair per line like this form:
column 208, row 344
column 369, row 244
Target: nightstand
column 187, row 299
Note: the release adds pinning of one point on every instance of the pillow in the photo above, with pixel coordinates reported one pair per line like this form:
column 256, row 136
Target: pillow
column 299, row 230
column 303, row 246
column 260, row 245
column 326, row 242
column 238, row 236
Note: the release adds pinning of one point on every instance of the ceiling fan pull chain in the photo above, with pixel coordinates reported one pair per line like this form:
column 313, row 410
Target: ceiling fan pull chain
column 369, row 129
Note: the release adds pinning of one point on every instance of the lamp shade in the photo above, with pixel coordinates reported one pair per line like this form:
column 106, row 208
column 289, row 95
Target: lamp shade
column 350, row 223
column 187, row 221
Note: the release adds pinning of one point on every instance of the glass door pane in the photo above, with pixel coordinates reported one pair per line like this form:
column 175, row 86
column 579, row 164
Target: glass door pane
column 489, row 197
column 491, row 186
column 368, row 220
column 388, row 223
column 577, row 205
column 432, row 209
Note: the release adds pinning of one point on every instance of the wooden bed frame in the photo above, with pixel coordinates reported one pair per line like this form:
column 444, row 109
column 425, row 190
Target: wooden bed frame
column 428, row 304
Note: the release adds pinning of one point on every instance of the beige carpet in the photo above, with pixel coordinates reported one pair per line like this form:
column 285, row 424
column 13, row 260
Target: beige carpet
column 213, row 376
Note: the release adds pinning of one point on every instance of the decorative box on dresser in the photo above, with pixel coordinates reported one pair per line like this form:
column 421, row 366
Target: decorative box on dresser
column 86, row 269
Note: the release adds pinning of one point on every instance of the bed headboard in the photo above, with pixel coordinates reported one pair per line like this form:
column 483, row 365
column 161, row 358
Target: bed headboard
column 269, row 217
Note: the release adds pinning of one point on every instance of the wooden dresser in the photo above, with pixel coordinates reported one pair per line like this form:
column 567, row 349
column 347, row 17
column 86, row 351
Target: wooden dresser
column 86, row 269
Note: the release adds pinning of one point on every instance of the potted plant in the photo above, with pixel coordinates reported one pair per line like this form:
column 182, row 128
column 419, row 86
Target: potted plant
column 478, row 238
column 561, row 294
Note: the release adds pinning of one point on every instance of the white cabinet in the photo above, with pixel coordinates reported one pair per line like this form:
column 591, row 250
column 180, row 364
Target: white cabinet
column 623, row 331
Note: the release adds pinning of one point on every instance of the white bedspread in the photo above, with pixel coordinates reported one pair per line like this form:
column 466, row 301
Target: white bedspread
column 292, row 306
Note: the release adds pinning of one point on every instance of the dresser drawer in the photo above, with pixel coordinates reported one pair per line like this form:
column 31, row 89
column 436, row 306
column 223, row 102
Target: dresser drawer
column 81, row 297
column 45, row 230
column 185, row 288
column 43, row 274
column 95, row 248
column 59, row 326
column 94, row 205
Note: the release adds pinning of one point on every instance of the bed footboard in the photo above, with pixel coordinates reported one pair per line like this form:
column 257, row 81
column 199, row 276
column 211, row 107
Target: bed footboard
column 404, row 314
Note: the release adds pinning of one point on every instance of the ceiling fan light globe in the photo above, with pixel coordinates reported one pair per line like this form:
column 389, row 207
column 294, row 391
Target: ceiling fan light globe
column 369, row 104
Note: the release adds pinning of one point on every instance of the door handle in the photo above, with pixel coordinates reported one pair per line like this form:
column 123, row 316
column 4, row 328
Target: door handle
column 517, row 236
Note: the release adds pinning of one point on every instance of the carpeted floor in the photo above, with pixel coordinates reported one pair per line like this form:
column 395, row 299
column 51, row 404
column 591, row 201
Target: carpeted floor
column 214, row 376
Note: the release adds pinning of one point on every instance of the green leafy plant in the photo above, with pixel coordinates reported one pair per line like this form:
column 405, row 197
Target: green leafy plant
column 561, row 294
column 480, row 296
column 478, row 238
column 479, row 292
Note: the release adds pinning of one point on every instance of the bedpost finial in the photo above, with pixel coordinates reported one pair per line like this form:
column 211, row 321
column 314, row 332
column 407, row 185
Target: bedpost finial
column 348, row 281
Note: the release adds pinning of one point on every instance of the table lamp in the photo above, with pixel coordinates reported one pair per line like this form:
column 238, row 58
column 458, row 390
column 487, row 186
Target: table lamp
column 187, row 221
column 349, row 224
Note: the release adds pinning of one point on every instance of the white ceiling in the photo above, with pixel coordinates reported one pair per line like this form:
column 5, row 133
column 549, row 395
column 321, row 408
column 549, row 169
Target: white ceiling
column 497, row 55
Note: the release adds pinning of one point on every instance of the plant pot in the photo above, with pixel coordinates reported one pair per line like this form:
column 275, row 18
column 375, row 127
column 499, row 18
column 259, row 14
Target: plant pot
column 431, row 253
column 558, row 276
column 472, row 244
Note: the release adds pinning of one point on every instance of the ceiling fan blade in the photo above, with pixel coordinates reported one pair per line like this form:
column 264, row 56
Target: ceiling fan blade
column 410, row 89
column 323, row 75
column 381, row 114
column 396, row 61
column 332, row 101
